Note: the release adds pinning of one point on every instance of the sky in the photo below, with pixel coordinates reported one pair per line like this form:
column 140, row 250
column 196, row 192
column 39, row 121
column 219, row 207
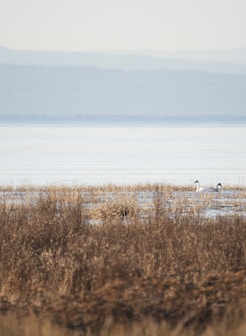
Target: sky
column 122, row 25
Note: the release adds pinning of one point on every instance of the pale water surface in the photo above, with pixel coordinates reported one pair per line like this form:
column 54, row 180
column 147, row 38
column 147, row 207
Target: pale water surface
column 121, row 154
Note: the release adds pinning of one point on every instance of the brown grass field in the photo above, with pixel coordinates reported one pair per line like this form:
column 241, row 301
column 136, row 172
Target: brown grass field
column 121, row 260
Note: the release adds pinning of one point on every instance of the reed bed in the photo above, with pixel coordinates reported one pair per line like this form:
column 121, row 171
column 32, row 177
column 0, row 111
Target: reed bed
column 114, row 260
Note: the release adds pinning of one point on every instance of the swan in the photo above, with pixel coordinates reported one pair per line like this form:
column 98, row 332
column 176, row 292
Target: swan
column 218, row 187
column 199, row 188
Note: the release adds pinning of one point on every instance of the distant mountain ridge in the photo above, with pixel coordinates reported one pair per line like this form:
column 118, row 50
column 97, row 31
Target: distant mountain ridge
column 77, row 91
column 230, row 62
column 233, row 56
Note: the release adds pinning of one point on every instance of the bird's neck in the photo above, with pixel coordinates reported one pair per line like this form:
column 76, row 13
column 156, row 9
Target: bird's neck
column 197, row 187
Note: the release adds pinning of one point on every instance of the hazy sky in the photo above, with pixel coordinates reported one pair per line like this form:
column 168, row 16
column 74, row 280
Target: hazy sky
column 84, row 25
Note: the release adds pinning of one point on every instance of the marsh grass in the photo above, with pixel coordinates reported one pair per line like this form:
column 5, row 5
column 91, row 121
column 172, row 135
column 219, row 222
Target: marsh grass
column 145, row 268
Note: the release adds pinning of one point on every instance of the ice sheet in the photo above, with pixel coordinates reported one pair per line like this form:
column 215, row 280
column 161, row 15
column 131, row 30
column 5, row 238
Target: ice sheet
column 121, row 154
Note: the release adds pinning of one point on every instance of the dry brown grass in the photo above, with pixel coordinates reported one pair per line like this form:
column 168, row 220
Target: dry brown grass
column 142, row 269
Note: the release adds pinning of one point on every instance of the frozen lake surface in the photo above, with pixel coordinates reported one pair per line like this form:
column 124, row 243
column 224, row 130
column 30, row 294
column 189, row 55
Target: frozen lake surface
column 96, row 202
column 123, row 155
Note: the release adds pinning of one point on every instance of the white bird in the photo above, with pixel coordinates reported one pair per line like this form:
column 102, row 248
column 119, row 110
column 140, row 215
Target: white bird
column 218, row 187
column 199, row 188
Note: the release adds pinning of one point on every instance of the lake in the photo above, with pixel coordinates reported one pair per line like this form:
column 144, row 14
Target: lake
column 58, row 154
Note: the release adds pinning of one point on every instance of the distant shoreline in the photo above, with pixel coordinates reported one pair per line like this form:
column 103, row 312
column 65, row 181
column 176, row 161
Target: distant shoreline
column 121, row 120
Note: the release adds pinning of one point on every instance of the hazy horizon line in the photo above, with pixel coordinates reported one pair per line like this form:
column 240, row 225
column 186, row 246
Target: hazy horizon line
column 145, row 50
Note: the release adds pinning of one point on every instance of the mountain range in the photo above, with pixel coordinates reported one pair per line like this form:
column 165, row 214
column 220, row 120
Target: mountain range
column 232, row 61
column 66, row 84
